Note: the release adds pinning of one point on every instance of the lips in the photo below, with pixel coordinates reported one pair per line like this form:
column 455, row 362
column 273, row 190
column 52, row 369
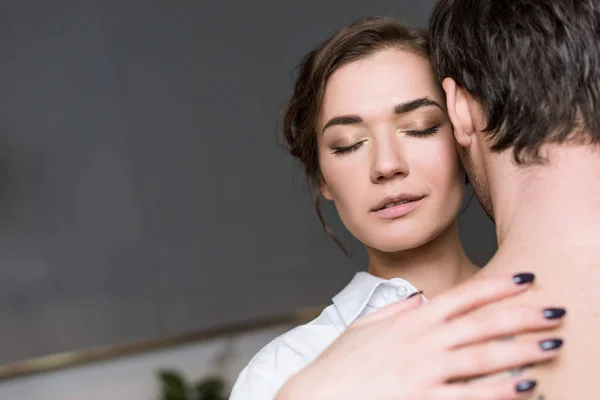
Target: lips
column 392, row 201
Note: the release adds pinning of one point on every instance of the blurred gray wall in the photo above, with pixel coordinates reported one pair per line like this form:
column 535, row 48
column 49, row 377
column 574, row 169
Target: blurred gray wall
column 142, row 190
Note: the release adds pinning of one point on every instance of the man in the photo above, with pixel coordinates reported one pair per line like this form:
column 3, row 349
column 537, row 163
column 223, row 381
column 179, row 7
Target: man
column 522, row 79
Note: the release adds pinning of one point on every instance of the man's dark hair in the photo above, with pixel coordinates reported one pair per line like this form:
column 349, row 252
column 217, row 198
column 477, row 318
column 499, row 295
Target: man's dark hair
column 534, row 65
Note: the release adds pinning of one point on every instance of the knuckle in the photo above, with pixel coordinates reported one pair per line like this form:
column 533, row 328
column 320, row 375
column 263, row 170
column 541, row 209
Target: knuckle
column 464, row 331
column 440, row 340
column 446, row 364
column 513, row 318
column 482, row 325
column 520, row 319
column 504, row 320
column 492, row 356
column 521, row 353
column 482, row 359
column 466, row 361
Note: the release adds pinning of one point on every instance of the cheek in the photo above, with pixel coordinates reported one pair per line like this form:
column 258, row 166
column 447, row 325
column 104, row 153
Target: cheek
column 439, row 164
column 344, row 177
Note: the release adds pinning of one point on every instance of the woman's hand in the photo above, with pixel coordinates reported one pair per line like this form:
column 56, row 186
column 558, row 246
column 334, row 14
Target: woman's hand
column 414, row 351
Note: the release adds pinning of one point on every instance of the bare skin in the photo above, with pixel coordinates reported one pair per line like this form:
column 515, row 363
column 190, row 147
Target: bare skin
column 548, row 219
column 562, row 198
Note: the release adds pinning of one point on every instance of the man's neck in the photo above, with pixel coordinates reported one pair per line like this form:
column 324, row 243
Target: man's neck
column 432, row 268
column 548, row 223
column 550, row 210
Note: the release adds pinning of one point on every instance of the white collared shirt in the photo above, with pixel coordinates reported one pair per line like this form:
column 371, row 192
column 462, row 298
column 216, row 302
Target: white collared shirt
column 286, row 355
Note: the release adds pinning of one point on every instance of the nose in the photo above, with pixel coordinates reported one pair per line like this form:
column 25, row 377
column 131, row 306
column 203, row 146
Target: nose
column 388, row 161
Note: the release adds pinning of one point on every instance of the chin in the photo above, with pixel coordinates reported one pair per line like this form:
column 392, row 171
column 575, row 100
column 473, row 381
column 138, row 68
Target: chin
column 399, row 242
column 402, row 237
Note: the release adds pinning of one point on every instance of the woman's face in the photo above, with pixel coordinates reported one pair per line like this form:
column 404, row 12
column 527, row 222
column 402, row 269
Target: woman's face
column 387, row 153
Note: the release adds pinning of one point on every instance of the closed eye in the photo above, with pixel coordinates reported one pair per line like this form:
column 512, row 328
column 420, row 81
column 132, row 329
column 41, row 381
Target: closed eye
column 426, row 132
column 347, row 149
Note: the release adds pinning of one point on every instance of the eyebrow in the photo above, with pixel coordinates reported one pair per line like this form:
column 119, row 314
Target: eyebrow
column 402, row 108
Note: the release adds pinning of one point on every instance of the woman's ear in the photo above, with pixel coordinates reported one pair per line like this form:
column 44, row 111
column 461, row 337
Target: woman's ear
column 325, row 189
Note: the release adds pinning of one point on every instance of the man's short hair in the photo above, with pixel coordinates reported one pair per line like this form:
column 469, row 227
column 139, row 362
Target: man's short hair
column 534, row 65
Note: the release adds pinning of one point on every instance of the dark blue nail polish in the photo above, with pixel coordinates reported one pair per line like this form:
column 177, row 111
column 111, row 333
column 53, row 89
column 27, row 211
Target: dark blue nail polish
column 525, row 386
column 554, row 313
column 522, row 279
column 551, row 344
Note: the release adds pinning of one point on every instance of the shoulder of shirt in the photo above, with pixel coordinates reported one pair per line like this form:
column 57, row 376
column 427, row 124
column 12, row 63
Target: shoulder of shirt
column 289, row 353
column 286, row 355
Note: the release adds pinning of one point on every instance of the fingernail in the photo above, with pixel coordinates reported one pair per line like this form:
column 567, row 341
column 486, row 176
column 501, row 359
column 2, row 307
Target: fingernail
column 554, row 313
column 414, row 294
column 525, row 386
column 551, row 344
column 522, row 279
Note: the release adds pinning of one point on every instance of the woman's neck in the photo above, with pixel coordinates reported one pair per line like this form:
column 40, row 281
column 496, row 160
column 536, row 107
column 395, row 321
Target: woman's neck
column 433, row 268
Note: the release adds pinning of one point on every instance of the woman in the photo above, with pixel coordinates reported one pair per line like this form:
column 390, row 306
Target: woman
column 367, row 121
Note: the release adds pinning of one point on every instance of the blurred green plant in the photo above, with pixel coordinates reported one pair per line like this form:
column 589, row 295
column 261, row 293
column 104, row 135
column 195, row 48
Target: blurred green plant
column 175, row 387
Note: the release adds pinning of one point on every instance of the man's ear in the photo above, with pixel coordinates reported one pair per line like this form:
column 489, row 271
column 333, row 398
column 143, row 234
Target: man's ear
column 459, row 111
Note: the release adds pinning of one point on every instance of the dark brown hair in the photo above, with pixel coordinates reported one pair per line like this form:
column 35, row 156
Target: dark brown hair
column 353, row 42
column 534, row 65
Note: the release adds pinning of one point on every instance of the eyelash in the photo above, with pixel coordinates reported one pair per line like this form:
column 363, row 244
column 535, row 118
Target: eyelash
column 426, row 132
column 356, row 146
column 348, row 149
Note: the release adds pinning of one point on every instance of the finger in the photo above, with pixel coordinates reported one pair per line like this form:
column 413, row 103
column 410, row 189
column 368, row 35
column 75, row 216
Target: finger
column 391, row 310
column 476, row 293
column 497, row 356
column 491, row 324
column 505, row 389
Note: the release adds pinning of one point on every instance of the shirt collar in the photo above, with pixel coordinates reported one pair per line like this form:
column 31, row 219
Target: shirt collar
column 354, row 298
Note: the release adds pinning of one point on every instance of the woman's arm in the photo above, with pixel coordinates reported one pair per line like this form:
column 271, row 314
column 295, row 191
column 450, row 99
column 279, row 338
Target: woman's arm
column 414, row 351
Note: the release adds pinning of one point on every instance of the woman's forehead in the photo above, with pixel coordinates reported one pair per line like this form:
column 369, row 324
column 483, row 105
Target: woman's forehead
column 379, row 82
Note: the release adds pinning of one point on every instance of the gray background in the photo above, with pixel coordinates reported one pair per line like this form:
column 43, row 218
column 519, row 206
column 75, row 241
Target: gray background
column 142, row 190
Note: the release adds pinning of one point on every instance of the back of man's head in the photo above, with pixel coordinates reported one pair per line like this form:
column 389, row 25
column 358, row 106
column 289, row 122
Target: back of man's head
column 533, row 65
